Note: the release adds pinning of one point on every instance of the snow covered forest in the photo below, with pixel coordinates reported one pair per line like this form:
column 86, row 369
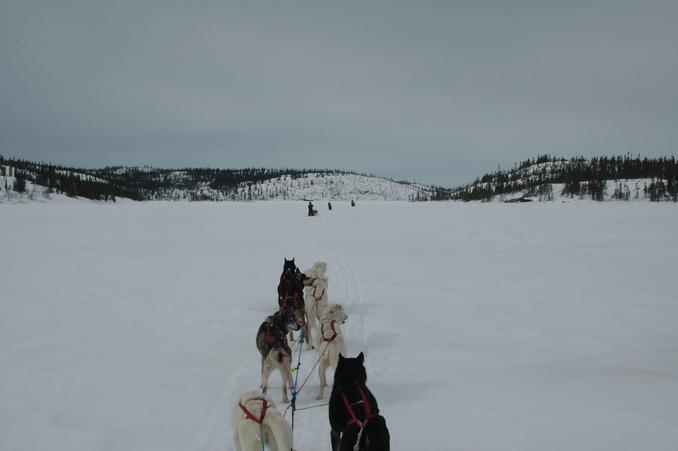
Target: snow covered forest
column 546, row 177
column 543, row 178
column 207, row 184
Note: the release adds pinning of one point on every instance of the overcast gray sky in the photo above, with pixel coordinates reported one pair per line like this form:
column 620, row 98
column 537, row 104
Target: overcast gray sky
column 440, row 91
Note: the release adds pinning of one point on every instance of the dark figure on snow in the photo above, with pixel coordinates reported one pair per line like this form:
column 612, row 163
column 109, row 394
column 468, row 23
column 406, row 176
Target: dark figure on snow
column 329, row 206
column 352, row 203
column 311, row 211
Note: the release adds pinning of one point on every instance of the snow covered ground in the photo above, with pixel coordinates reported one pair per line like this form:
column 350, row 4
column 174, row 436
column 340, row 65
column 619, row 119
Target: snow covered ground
column 544, row 326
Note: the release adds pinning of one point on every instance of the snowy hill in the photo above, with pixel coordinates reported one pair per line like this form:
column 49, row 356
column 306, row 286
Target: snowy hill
column 281, row 185
column 331, row 186
column 13, row 189
column 207, row 184
column 606, row 178
column 542, row 179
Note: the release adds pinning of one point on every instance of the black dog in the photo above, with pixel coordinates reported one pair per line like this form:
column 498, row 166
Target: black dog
column 354, row 413
column 291, row 292
column 292, row 281
column 274, row 350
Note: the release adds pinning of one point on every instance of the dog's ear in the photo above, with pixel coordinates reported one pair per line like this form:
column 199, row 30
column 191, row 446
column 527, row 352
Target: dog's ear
column 361, row 358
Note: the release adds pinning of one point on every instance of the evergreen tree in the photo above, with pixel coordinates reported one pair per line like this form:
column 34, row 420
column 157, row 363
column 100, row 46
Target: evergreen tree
column 19, row 183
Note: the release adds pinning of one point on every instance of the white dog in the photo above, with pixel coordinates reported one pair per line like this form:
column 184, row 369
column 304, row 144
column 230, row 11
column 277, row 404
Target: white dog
column 315, row 302
column 255, row 418
column 318, row 269
column 332, row 341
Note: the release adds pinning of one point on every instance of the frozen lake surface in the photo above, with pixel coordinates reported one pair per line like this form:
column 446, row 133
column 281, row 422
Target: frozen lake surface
column 538, row 327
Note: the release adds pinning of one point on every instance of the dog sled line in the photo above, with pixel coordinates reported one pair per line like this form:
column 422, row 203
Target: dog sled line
column 312, row 210
column 355, row 423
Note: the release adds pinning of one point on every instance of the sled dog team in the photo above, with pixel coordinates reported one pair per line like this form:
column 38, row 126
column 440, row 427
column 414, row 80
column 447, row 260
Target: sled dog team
column 354, row 417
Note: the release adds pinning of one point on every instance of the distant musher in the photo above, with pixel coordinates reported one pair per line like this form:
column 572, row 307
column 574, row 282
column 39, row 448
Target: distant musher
column 352, row 203
column 311, row 210
column 329, row 206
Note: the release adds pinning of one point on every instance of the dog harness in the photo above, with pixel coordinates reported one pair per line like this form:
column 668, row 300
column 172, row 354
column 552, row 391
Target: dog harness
column 270, row 339
column 287, row 297
column 270, row 333
column 275, row 340
column 250, row 415
column 317, row 297
column 334, row 332
column 349, row 407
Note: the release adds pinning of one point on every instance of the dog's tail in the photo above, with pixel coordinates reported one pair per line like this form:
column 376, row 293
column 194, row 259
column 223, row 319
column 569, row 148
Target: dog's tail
column 280, row 355
column 377, row 434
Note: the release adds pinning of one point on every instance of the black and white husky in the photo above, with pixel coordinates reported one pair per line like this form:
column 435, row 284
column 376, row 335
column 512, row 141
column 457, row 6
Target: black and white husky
column 354, row 413
column 255, row 418
column 274, row 350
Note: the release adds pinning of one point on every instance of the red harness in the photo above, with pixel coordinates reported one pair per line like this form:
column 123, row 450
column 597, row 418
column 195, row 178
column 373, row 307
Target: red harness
column 288, row 274
column 295, row 301
column 334, row 332
column 251, row 416
column 318, row 297
column 366, row 405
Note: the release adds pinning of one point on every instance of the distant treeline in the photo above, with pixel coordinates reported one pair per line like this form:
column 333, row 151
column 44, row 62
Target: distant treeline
column 60, row 179
column 580, row 177
column 153, row 183
column 146, row 183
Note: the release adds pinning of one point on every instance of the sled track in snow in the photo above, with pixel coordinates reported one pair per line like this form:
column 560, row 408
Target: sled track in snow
column 349, row 293
column 207, row 436
column 215, row 433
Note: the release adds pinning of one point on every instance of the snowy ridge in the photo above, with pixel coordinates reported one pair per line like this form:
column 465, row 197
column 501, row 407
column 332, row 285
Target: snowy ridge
column 208, row 184
column 315, row 186
column 320, row 186
column 544, row 179
column 606, row 178
column 613, row 190
column 33, row 192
